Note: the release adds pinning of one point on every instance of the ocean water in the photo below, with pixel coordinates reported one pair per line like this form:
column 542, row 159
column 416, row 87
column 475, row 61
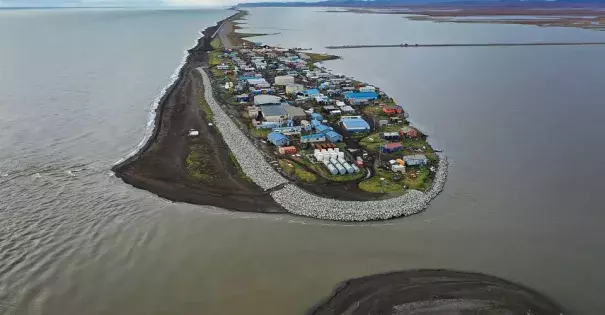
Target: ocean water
column 521, row 126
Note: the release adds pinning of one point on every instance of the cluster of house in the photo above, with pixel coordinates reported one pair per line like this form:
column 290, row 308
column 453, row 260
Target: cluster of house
column 404, row 132
column 337, row 94
column 298, row 85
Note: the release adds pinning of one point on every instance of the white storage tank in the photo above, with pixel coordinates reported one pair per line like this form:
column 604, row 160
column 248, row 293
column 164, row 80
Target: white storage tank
column 355, row 168
column 348, row 167
column 341, row 169
column 334, row 155
column 332, row 169
column 319, row 156
column 334, row 161
column 337, row 149
column 341, row 155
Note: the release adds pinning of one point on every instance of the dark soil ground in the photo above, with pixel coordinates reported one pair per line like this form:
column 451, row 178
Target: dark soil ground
column 160, row 167
column 434, row 292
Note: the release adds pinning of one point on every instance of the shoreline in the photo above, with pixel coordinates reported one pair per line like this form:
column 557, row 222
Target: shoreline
column 424, row 291
column 159, row 165
column 590, row 18
column 141, row 168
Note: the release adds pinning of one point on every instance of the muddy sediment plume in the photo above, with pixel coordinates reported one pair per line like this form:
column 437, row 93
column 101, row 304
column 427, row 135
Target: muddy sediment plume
column 434, row 292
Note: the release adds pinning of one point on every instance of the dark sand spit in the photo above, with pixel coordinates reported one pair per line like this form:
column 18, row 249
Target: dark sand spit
column 159, row 166
column 434, row 292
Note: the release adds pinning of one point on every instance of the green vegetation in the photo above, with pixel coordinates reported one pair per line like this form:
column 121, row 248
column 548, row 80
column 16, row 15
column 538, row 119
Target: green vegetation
column 298, row 171
column 215, row 58
column 372, row 142
column 396, row 183
column 259, row 133
column 207, row 111
column 197, row 164
column 240, row 172
column 390, row 184
column 216, row 43
column 323, row 172
column 359, row 135
column 320, row 57
column 374, row 110
column 422, row 181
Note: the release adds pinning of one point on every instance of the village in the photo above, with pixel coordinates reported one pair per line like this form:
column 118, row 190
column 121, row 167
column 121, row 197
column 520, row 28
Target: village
column 322, row 128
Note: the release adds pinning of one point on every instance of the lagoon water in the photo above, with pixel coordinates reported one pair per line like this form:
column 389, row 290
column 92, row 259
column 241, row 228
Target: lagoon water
column 522, row 127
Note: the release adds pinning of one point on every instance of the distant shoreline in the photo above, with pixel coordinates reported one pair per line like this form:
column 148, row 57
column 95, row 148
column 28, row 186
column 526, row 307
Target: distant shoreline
column 591, row 17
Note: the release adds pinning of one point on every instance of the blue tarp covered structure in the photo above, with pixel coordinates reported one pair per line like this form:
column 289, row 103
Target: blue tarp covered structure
column 322, row 129
column 316, row 116
column 355, row 125
column 312, row 92
column 333, row 136
column 361, row 95
column 278, row 139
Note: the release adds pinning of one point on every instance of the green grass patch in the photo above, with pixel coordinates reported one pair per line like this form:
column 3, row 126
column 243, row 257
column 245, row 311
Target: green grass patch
column 388, row 185
column 320, row 57
column 216, row 43
column 411, row 146
column 259, row 133
column 215, row 58
column 422, row 181
column 197, row 164
column 414, row 178
column 372, row 142
column 297, row 170
column 359, row 135
column 372, row 110
column 206, row 109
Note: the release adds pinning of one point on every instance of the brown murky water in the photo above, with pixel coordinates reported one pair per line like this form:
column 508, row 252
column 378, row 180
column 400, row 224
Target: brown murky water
column 521, row 126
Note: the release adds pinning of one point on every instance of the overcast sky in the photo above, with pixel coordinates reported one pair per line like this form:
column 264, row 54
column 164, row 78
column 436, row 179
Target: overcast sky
column 44, row 3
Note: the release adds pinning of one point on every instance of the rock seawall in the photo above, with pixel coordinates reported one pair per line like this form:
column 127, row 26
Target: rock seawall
column 301, row 202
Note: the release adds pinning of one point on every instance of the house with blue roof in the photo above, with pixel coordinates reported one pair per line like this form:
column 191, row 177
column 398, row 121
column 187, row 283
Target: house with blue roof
column 361, row 96
column 355, row 124
column 323, row 129
column 278, row 139
column 316, row 116
column 315, row 123
column 333, row 136
column 246, row 77
column 313, row 138
column 311, row 93
column 267, row 125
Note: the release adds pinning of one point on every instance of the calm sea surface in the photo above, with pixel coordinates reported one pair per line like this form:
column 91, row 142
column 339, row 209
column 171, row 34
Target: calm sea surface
column 522, row 127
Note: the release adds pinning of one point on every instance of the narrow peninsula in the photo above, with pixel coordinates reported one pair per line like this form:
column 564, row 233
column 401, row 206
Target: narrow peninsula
column 251, row 127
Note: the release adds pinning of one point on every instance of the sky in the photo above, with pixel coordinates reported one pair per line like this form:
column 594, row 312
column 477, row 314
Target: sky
column 83, row 3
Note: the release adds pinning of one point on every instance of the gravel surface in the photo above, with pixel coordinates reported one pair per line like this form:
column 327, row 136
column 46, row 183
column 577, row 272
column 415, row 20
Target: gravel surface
column 301, row 202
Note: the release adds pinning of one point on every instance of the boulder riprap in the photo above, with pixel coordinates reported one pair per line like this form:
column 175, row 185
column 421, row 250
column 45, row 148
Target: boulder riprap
column 300, row 202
